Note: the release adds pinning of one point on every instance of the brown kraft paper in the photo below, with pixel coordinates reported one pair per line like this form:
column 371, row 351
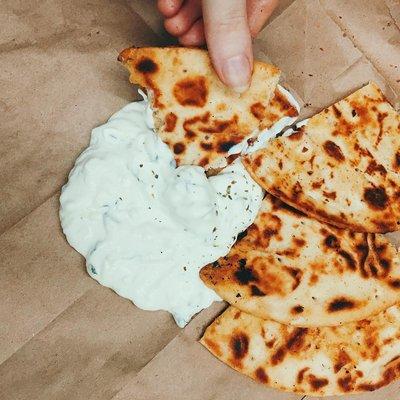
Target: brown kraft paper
column 62, row 335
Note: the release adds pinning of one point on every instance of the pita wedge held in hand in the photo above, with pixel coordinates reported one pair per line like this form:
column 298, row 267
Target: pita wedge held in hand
column 356, row 357
column 296, row 270
column 200, row 119
column 342, row 166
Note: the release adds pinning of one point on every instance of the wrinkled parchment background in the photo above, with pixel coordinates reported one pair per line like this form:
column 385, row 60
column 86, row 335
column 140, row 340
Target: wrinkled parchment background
column 63, row 336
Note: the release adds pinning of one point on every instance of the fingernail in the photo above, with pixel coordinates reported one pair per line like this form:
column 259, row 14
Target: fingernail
column 236, row 72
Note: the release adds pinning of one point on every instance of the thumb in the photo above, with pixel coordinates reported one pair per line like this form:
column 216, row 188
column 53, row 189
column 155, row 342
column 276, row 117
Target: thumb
column 229, row 41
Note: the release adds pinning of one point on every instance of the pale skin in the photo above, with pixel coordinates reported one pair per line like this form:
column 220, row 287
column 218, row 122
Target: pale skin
column 227, row 27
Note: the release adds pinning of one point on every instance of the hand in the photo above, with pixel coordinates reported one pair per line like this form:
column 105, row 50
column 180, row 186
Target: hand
column 227, row 26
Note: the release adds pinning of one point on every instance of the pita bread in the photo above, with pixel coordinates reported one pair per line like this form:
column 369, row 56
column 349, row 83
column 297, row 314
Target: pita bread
column 195, row 114
column 298, row 271
column 357, row 357
column 342, row 167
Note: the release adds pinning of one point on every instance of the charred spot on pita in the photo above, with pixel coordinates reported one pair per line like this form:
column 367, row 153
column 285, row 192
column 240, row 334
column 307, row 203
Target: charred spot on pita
column 363, row 251
column 373, row 166
column 270, row 343
column 179, row 148
column 242, row 262
column 190, row 134
column 385, row 264
column 278, row 356
column 396, row 163
column 146, row 66
column 261, row 375
column 296, row 274
column 245, row 275
column 255, row 291
column 239, row 345
column 336, row 111
column 189, row 122
column 346, row 383
column 204, row 161
column 300, row 375
column 332, row 242
column 206, row 146
column 296, row 339
column 274, row 227
column 376, row 197
column 284, row 104
column 296, row 135
column 191, row 91
column 389, row 376
column 351, row 263
column 362, row 111
column 330, row 195
column 225, row 146
column 333, row 150
column 214, row 347
column 395, row 283
column 258, row 161
column 297, row 310
column 297, row 189
column 379, row 248
column 258, row 110
column 342, row 359
column 373, row 269
column 380, row 118
column 299, row 242
column 314, row 279
column 317, row 383
column 242, row 235
column 383, row 226
column 229, row 126
column 170, row 122
column 317, row 184
column 340, row 304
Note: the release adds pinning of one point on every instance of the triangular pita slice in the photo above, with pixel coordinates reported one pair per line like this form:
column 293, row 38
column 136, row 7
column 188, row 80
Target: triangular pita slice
column 356, row 357
column 342, row 167
column 298, row 271
column 195, row 114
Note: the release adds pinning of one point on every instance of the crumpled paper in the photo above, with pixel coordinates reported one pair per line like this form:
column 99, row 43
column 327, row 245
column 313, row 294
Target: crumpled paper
column 63, row 336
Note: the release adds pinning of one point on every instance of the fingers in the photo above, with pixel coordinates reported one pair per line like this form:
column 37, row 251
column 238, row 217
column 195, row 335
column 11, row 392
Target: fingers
column 258, row 12
column 194, row 36
column 169, row 7
column 180, row 23
column 228, row 27
column 229, row 42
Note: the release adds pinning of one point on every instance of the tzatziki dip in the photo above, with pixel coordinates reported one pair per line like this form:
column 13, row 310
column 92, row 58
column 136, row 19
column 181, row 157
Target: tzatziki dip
column 146, row 227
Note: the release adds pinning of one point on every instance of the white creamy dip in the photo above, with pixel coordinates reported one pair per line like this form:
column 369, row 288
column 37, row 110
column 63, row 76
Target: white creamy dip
column 146, row 227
